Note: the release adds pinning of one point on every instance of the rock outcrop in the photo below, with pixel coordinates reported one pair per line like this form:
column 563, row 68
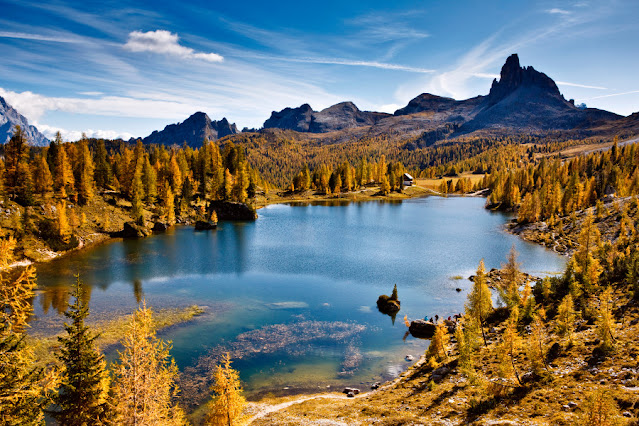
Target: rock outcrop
column 192, row 131
column 10, row 118
column 227, row 210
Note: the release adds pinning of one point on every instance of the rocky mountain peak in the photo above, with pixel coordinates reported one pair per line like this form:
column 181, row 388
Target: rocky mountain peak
column 193, row 131
column 10, row 118
column 513, row 76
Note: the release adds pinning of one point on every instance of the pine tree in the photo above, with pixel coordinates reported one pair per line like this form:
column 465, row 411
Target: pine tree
column 565, row 319
column 24, row 390
column 588, row 268
column 43, row 181
column 509, row 347
column 85, row 183
column 64, row 230
column 169, row 204
column 144, row 384
column 480, row 302
column 511, row 274
column 466, row 335
column 228, row 402
column 82, row 396
column 137, row 193
column 437, row 349
column 63, row 180
column 228, row 184
column 102, row 172
column 606, row 321
column 536, row 345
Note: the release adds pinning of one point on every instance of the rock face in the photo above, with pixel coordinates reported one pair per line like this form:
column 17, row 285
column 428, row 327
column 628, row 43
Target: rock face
column 232, row 211
column 10, row 118
column 344, row 115
column 427, row 102
column 194, row 130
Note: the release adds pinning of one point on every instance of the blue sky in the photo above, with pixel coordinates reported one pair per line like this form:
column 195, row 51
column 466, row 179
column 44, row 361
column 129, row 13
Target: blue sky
column 121, row 68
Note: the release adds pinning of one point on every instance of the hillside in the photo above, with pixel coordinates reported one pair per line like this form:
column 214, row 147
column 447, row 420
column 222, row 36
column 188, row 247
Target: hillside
column 192, row 131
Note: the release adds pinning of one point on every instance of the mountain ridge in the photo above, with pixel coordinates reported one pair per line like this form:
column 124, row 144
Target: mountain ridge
column 192, row 131
column 10, row 118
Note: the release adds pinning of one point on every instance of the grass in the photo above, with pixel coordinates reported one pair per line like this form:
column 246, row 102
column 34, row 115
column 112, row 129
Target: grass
column 110, row 331
column 414, row 399
column 434, row 184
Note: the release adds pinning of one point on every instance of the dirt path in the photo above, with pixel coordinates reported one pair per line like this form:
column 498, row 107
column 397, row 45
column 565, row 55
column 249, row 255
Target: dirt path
column 265, row 410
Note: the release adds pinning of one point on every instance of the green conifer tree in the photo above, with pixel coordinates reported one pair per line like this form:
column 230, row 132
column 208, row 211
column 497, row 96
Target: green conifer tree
column 82, row 396
column 480, row 302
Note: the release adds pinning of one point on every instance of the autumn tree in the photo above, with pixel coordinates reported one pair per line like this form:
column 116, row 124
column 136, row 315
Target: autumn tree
column 42, row 179
column 437, row 349
column 565, row 319
column 64, row 230
column 82, row 396
column 511, row 280
column 587, row 266
column 605, row 320
column 24, row 390
column 536, row 343
column 85, row 184
column 225, row 409
column 510, row 346
column 480, row 302
column 144, row 386
column 63, row 180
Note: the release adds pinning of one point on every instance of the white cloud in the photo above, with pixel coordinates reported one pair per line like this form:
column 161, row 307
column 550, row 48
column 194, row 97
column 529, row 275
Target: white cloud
column 74, row 135
column 389, row 108
column 557, row 11
column 91, row 93
column 165, row 43
column 34, row 106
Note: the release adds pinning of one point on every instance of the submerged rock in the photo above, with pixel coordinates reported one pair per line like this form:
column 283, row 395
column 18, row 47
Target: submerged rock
column 205, row 225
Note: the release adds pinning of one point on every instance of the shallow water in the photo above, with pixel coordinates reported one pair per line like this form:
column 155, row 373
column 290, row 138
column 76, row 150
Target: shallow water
column 297, row 264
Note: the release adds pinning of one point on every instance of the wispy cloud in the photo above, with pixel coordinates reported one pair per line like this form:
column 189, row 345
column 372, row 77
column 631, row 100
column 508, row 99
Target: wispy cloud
column 38, row 37
column 583, row 86
column 632, row 92
column 165, row 43
column 557, row 11
column 346, row 62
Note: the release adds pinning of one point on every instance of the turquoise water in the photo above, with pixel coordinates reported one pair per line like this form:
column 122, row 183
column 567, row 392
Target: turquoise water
column 307, row 269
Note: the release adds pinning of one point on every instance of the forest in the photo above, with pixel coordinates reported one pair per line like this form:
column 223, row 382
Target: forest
column 534, row 321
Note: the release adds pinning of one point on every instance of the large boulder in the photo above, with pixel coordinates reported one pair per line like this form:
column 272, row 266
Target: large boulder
column 227, row 210
column 133, row 230
column 422, row 329
column 387, row 305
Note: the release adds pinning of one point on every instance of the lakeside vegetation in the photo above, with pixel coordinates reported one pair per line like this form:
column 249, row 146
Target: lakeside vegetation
column 562, row 332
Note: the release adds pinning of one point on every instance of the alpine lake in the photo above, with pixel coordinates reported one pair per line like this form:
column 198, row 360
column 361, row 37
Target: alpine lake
column 292, row 296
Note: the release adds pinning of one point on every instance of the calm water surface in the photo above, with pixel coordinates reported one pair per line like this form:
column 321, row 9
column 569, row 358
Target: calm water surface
column 297, row 264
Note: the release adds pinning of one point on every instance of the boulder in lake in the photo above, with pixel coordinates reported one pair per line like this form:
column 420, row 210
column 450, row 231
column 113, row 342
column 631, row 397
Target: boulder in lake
column 159, row 227
column 422, row 329
column 205, row 225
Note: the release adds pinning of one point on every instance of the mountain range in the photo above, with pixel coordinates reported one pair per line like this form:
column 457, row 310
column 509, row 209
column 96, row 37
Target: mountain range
column 10, row 118
column 522, row 100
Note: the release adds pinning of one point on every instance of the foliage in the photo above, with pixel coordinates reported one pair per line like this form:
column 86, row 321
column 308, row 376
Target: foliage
column 438, row 348
column 24, row 389
column 144, row 384
column 480, row 302
column 228, row 403
column 82, row 396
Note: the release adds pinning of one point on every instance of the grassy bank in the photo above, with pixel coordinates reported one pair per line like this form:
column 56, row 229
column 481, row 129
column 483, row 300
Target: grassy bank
column 110, row 330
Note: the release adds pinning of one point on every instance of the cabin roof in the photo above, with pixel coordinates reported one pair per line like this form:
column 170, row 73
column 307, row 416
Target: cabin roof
column 407, row 176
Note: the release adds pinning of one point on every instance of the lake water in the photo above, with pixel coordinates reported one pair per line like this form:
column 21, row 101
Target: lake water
column 294, row 292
